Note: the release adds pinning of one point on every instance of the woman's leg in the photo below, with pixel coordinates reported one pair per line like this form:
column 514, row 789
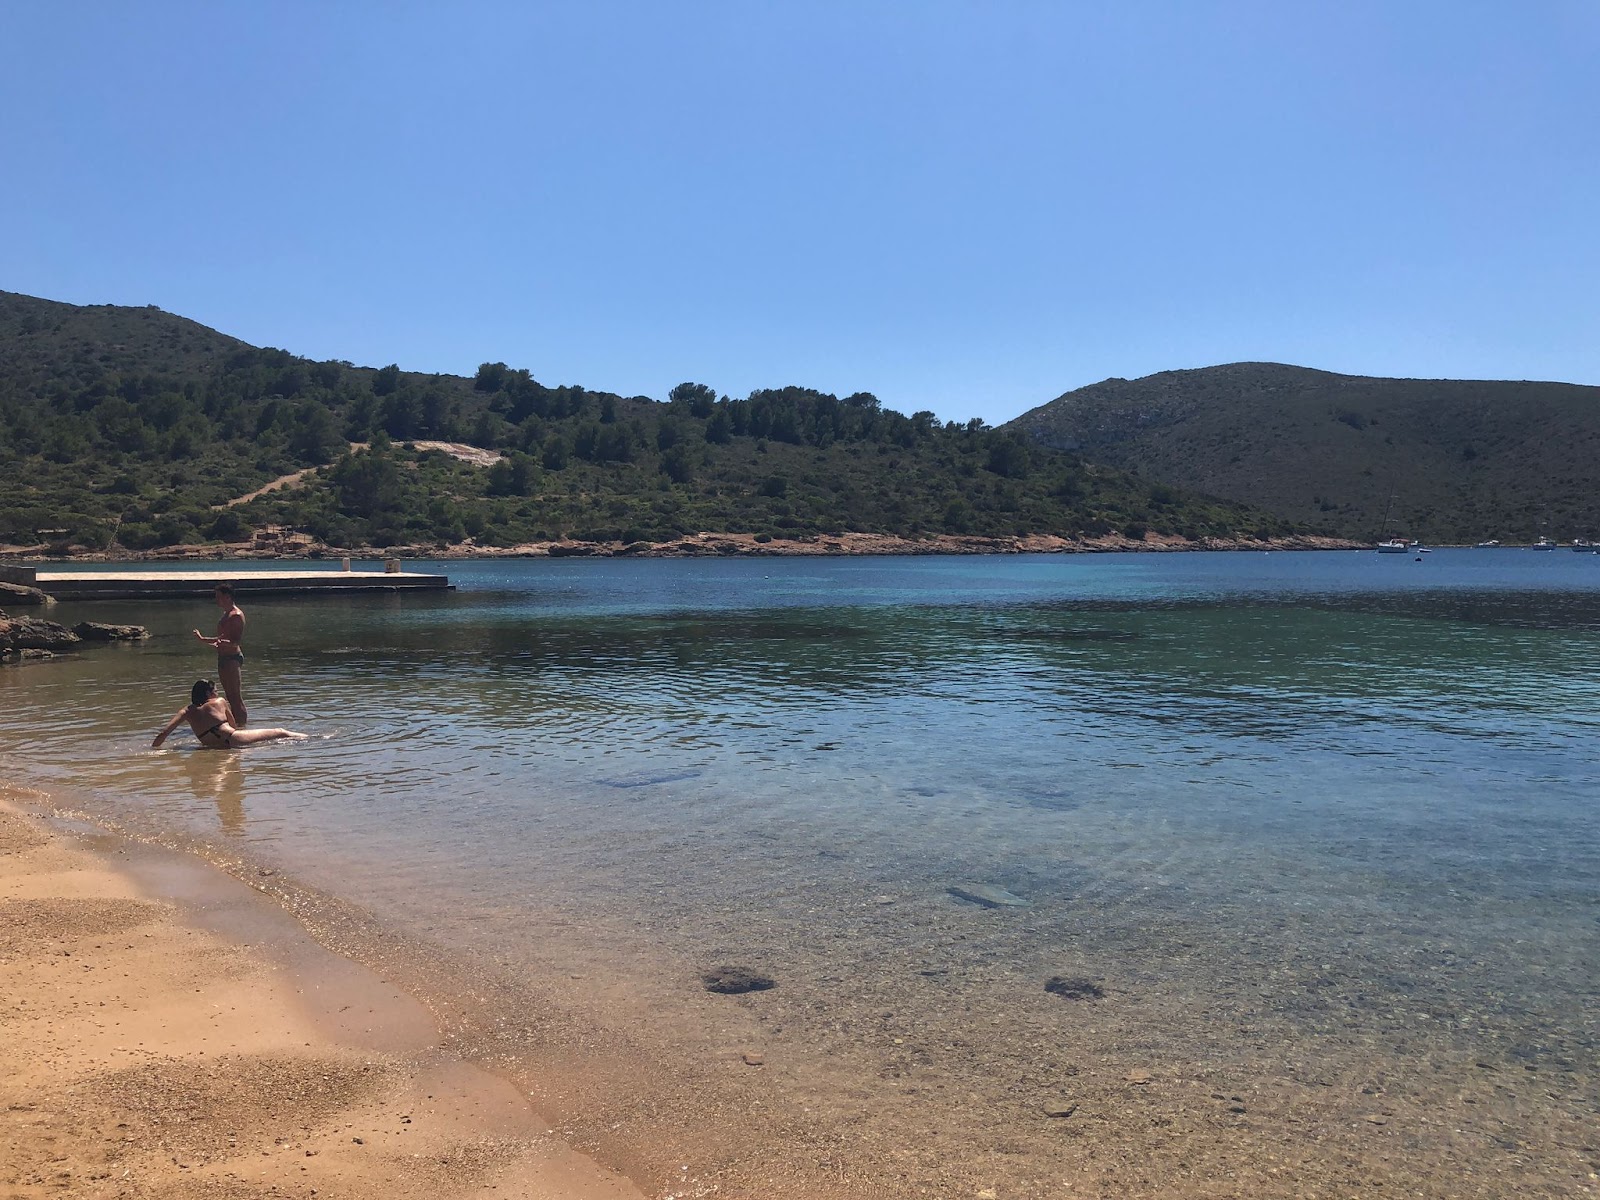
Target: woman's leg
column 249, row 737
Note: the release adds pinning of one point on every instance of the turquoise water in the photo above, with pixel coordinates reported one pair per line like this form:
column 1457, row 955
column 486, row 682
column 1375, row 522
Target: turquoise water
column 1322, row 817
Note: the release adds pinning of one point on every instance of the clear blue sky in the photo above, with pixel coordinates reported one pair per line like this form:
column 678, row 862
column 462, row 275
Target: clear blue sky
column 966, row 207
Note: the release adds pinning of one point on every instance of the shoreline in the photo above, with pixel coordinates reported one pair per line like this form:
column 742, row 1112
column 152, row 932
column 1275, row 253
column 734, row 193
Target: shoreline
column 698, row 545
column 171, row 1032
column 462, row 1077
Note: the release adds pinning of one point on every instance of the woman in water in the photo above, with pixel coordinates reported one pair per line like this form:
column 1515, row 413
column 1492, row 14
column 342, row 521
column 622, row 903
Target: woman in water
column 211, row 719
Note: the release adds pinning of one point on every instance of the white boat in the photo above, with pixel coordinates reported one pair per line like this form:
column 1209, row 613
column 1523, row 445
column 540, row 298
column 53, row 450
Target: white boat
column 1489, row 545
column 1579, row 546
column 1394, row 546
column 1543, row 543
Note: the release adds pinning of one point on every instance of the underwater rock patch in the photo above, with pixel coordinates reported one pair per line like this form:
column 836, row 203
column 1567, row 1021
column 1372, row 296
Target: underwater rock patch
column 735, row 981
column 1074, row 989
column 625, row 782
column 988, row 895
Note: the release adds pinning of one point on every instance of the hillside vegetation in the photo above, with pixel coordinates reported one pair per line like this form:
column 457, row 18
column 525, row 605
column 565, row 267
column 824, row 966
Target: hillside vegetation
column 135, row 426
column 1463, row 460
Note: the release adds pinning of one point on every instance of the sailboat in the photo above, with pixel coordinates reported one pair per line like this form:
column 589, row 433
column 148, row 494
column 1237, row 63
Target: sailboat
column 1392, row 545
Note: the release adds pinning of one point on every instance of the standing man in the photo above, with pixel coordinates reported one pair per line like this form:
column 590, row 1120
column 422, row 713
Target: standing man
column 230, row 650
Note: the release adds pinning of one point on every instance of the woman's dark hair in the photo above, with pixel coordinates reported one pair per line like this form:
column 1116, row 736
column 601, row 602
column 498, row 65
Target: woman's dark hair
column 201, row 692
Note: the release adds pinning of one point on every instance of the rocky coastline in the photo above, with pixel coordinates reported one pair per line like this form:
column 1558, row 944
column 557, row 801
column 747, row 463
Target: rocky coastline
column 698, row 545
column 32, row 637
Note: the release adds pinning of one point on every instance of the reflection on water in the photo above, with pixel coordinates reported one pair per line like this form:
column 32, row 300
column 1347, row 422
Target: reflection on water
column 218, row 778
column 1325, row 809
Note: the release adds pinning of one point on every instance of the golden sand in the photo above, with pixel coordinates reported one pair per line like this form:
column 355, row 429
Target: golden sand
column 153, row 1049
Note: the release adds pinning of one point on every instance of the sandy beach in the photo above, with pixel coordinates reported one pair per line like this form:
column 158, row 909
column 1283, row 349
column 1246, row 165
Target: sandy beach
column 169, row 1033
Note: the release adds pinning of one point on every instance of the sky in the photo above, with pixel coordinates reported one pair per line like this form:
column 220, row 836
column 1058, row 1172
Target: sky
column 966, row 207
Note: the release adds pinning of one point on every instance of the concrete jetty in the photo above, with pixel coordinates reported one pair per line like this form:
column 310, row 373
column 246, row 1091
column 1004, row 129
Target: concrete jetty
column 80, row 583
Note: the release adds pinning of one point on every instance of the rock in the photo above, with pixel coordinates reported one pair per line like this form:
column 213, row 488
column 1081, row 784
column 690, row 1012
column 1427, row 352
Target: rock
column 97, row 631
column 30, row 633
column 22, row 654
column 19, row 593
column 1138, row 1077
column 751, row 1059
column 1074, row 989
column 988, row 895
column 734, row 981
column 1061, row 1110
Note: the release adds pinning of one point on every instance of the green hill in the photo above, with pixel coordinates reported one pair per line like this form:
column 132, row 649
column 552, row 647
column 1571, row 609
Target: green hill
column 1447, row 461
column 45, row 343
column 135, row 426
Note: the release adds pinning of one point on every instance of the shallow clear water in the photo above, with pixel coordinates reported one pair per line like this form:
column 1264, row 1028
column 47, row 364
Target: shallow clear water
column 1347, row 802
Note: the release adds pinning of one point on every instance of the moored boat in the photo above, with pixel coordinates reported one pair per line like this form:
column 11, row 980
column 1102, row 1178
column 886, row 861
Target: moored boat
column 1543, row 543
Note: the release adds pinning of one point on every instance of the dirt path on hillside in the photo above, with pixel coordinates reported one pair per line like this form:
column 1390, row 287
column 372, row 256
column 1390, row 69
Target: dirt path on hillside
column 475, row 455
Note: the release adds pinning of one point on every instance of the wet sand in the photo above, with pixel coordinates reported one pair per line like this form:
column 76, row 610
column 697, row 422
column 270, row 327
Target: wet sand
column 167, row 1033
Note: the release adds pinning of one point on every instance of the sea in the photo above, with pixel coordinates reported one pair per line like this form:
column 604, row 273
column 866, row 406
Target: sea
column 1163, row 874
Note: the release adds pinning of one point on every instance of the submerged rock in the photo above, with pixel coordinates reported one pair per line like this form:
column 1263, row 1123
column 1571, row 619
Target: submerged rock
column 988, row 895
column 1074, row 989
column 734, row 981
column 98, row 631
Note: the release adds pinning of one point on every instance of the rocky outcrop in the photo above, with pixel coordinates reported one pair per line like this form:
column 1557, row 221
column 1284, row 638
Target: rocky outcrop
column 97, row 631
column 29, row 637
column 20, row 593
column 30, row 633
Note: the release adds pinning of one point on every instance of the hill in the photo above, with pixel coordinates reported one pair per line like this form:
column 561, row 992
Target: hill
column 1446, row 461
column 135, row 428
